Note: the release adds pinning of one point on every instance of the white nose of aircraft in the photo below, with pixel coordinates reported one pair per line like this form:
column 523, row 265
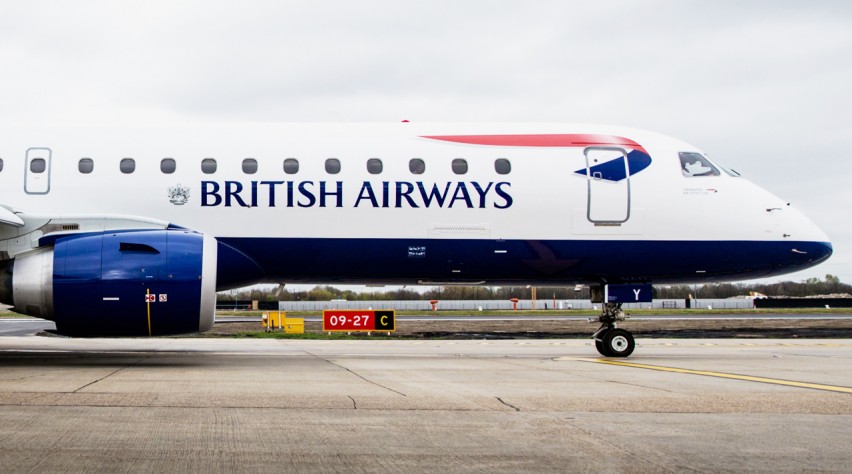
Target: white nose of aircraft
column 808, row 242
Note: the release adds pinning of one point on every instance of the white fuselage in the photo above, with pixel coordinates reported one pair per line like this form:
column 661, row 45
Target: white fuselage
column 546, row 196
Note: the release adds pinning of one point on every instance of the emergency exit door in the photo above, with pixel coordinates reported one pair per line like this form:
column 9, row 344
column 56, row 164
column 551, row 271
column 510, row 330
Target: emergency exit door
column 37, row 171
column 608, row 178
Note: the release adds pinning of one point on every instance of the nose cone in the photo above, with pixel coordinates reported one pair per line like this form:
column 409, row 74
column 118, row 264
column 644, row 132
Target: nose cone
column 827, row 250
column 801, row 228
column 809, row 245
column 815, row 234
column 792, row 241
column 812, row 253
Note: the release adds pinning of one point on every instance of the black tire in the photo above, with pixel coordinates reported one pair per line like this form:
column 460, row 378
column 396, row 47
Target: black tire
column 599, row 345
column 618, row 343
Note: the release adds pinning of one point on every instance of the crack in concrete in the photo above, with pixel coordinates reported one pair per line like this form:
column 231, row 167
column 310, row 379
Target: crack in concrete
column 365, row 378
column 357, row 374
column 108, row 375
column 513, row 407
column 31, row 401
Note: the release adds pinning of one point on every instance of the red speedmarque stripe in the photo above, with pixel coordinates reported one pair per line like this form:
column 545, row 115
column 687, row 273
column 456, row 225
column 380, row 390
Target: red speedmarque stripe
column 542, row 140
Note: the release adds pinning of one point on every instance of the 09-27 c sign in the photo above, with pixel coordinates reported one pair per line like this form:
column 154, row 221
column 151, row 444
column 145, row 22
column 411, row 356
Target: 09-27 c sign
column 352, row 320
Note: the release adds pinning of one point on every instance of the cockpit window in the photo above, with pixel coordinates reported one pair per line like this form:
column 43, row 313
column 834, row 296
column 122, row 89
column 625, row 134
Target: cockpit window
column 694, row 164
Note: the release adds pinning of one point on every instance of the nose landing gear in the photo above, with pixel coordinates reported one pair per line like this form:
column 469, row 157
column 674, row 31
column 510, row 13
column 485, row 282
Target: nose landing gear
column 611, row 341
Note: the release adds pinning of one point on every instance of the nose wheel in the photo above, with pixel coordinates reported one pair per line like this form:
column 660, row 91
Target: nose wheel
column 611, row 341
column 615, row 343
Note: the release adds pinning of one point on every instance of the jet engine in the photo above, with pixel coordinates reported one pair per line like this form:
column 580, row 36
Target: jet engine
column 128, row 283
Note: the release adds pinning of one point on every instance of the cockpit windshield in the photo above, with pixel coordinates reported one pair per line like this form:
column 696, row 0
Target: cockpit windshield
column 694, row 164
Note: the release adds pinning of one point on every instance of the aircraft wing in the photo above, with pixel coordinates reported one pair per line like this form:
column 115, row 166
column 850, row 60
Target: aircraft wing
column 8, row 217
column 21, row 231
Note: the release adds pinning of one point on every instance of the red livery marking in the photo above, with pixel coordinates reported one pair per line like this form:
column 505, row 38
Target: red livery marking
column 547, row 140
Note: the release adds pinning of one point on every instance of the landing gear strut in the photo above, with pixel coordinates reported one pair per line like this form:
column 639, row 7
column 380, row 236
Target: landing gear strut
column 609, row 339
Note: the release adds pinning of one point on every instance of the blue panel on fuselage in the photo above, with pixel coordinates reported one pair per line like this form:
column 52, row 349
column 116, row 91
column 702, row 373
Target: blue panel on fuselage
column 629, row 293
column 510, row 262
column 613, row 170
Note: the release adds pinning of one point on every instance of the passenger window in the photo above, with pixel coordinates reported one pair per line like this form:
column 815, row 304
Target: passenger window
column 208, row 166
column 459, row 166
column 694, row 164
column 38, row 165
column 168, row 165
column 86, row 165
column 332, row 166
column 127, row 165
column 502, row 166
column 374, row 166
column 416, row 166
column 291, row 166
column 249, row 166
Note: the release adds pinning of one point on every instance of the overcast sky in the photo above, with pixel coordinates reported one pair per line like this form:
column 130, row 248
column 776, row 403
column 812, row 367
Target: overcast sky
column 762, row 86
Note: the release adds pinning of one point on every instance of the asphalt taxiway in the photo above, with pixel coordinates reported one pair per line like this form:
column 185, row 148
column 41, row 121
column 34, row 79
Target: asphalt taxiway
column 178, row 404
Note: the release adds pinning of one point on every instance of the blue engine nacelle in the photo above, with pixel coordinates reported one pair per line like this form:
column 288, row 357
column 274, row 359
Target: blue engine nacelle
column 130, row 283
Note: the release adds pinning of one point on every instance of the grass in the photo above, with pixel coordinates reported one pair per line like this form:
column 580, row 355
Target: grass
column 11, row 315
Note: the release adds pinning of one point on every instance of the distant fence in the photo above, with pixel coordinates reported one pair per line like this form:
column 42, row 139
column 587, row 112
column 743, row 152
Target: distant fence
column 498, row 305
column 803, row 303
column 246, row 305
column 491, row 305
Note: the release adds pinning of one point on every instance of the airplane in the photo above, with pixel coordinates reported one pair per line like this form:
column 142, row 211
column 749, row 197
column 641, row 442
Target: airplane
column 131, row 231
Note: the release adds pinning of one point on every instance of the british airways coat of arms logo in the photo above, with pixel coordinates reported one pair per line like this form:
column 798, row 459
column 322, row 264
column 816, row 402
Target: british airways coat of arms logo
column 179, row 195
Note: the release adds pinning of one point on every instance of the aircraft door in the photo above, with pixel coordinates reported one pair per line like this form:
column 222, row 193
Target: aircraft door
column 608, row 178
column 37, row 171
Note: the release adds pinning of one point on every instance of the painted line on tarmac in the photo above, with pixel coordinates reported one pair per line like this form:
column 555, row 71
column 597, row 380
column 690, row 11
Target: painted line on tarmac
column 722, row 375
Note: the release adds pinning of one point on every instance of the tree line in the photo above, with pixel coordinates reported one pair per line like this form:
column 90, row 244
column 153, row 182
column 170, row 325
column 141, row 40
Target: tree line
column 810, row 287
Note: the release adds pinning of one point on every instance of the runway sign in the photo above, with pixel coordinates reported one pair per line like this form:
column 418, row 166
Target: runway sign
column 358, row 320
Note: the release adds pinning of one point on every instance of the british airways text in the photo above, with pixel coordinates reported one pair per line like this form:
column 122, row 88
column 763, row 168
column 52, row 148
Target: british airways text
column 387, row 194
